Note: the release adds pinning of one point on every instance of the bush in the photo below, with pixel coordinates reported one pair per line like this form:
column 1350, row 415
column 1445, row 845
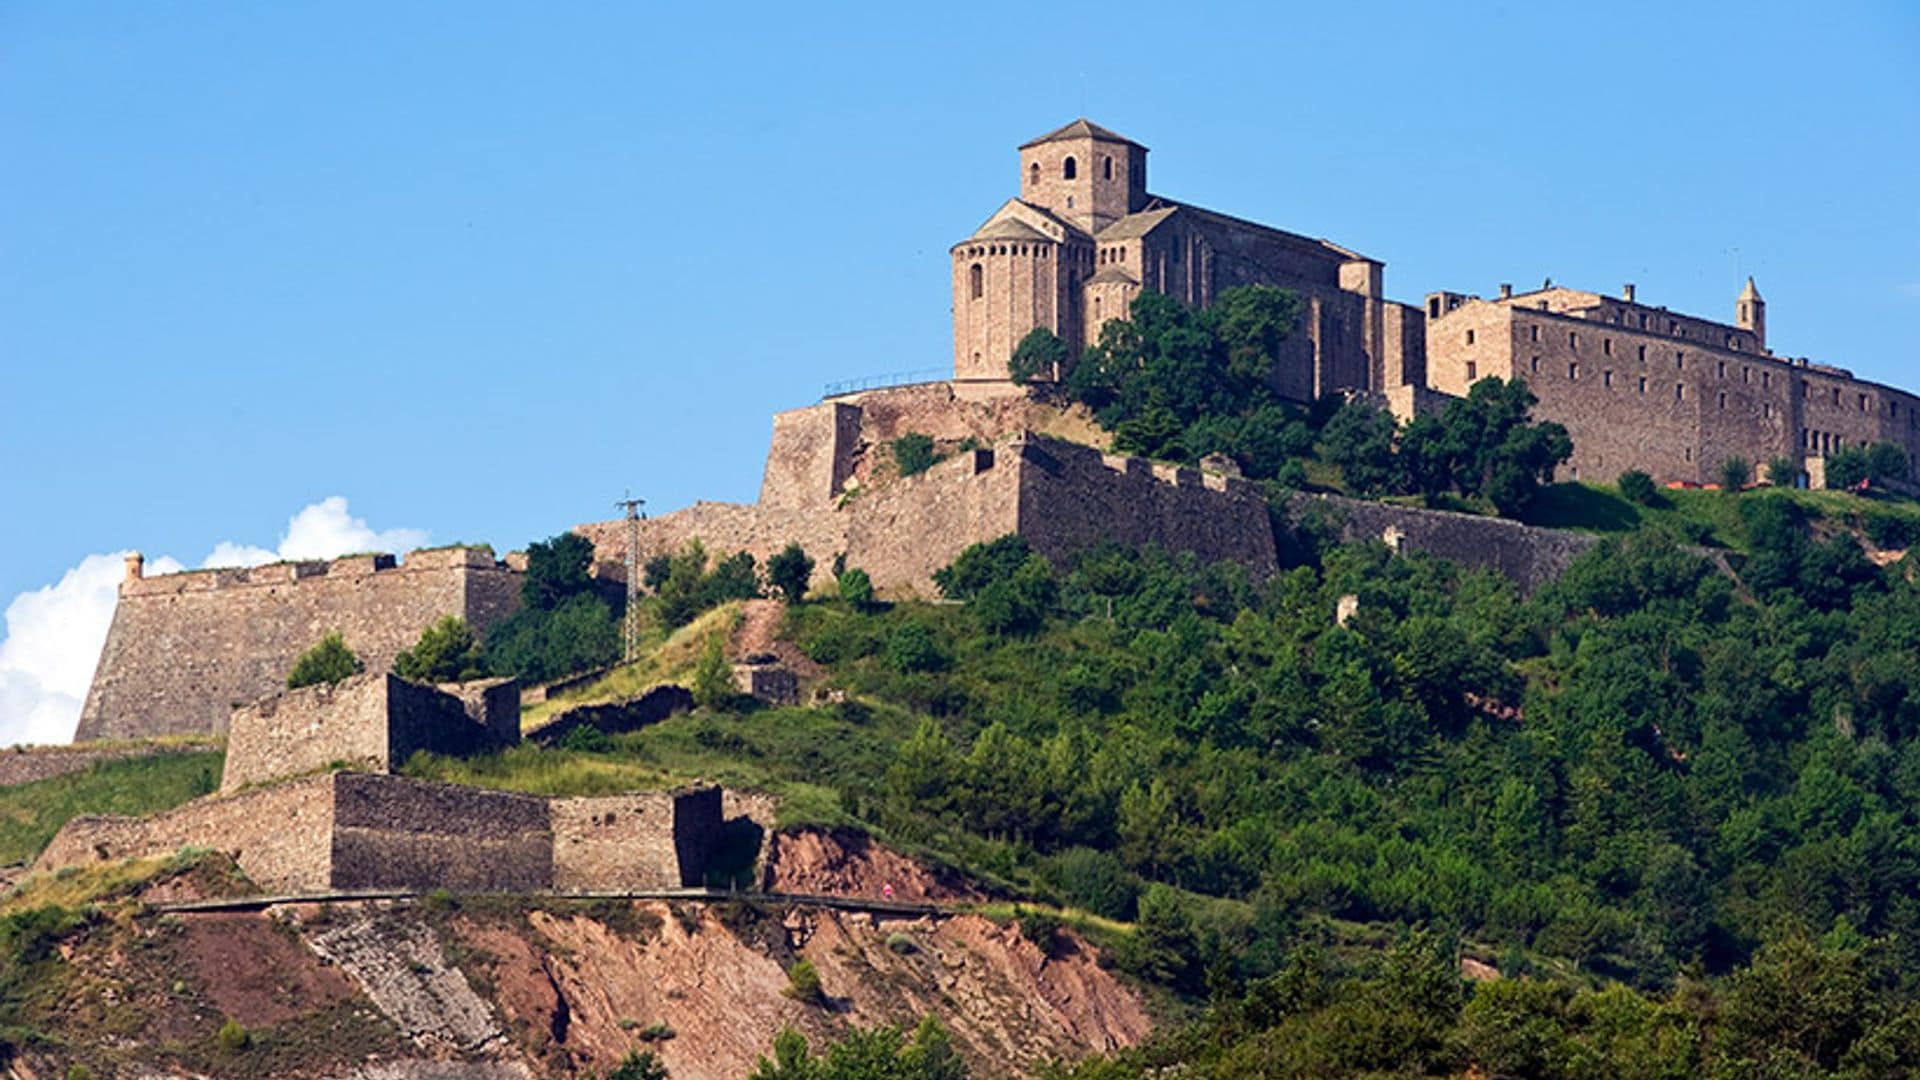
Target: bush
column 639, row 1065
column 980, row 565
column 913, row 453
column 789, row 572
column 1735, row 473
column 912, row 647
column 713, row 676
column 446, row 652
column 233, row 1038
column 1848, row 468
column 557, row 568
column 901, row 944
column 1783, row 471
column 1637, row 487
column 658, row 1031
column 328, row 662
column 1042, row 928
column 1019, row 604
column 1888, row 531
column 1096, row 881
column 1040, row 355
column 535, row 644
column 803, row 983
column 856, row 588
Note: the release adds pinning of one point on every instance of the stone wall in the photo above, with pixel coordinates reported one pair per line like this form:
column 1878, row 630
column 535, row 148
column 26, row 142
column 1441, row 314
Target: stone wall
column 653, row 840
column 185, row 649
column 392, row 832
column 27, row 764
column 368, row 721
column 279, row 835
column 1530, row 556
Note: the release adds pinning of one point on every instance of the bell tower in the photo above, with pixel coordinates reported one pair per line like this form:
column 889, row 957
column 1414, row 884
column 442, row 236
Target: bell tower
column 1750, row 313
column 1084, row 174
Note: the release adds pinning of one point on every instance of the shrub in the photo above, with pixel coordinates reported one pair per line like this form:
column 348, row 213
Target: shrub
column 1019, row 604
column 912, row 647
column 1735, row 473
column 803, row 983
column 856, row 588
column 233, row 1038
column 981, row 565
column 789, row 572
column 1887, row 461
column 79, row 1072
column 1637, row 487
column 913, row 453
column 586, row 739
column 658, row 1031
column 639, row 1065
column 1848, row 468
column 1889, row 531
column 1783, row 471
column 1095, row 880
column 536, row 644
column 713, row 676
column 328, row 662
column 556, row 569
column 446, row 652
column 901, row 944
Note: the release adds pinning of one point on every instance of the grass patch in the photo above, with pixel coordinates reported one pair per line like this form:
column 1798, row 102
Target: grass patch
column 664, row 658
column 1705, row 517
column 31, row 813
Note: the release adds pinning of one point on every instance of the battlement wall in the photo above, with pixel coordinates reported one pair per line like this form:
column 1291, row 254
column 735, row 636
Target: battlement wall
column 1529, row 556
column 184, row 649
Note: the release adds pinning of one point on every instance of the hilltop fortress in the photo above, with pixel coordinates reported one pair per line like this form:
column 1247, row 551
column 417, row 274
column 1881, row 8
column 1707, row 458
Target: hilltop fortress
column 1636, row 386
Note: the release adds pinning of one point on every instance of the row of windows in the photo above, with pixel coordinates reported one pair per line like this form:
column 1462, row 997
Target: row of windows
column 1070, row 170
column 1037, row 251
column 1113, row 254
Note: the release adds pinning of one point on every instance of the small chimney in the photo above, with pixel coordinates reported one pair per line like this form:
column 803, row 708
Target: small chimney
column 1506, row 290
column 1627, row 291
column 136, row 565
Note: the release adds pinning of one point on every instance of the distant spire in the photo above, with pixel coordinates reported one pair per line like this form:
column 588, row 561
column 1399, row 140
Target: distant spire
column 1750, row 293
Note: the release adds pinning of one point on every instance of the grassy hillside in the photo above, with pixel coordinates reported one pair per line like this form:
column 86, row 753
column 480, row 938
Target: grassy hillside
column 31, row 813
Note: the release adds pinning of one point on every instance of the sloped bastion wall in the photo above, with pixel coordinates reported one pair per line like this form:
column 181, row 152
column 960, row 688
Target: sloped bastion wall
column 185, row 649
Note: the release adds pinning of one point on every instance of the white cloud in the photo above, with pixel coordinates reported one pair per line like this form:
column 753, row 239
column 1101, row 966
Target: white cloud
column 54, row 633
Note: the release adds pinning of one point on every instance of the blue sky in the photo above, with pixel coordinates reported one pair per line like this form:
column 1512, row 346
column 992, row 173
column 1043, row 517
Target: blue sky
column 479, row 268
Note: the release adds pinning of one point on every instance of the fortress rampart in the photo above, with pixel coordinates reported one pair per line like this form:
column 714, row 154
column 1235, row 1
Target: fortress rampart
column 344, row 830
column 1529, row 556
column 185, row 649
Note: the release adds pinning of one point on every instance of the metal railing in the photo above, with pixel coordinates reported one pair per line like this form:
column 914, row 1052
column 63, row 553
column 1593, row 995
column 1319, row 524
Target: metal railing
column 892, row 378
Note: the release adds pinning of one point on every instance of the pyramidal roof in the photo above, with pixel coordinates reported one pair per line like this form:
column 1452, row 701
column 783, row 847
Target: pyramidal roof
column 1749, row 293
column 1081, row 129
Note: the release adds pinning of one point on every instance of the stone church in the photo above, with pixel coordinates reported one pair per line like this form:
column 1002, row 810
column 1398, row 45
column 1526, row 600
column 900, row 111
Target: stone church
column 1084, row 236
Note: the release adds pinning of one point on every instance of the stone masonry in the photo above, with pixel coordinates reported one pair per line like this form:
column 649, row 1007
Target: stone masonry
column 346, row 831
column 185, row 649
column 368, row 721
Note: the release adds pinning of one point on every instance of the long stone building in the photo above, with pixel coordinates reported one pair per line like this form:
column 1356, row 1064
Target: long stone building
column 1641, row 387
column 1084, row 237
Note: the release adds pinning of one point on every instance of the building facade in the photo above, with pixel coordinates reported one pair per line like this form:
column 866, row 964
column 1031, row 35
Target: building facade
column 1673, row 395
column 1084, row 237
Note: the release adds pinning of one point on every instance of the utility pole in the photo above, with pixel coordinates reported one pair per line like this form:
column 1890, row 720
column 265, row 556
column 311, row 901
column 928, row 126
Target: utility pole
column 630, row 625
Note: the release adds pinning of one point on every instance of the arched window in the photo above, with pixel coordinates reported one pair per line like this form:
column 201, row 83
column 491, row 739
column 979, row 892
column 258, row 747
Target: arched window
column 977, row 279
column 1106, row 168
column 1033, row 175
column 1096, row 309
column 1068, row 170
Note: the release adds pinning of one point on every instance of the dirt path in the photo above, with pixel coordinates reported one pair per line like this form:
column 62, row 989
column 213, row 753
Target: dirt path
column 759, row 634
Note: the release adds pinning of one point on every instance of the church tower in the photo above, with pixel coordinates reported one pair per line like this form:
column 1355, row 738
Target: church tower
column 1750, row 313
column 1084, row 174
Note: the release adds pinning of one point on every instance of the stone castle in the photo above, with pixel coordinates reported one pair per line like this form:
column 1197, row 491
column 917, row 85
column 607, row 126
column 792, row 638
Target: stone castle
column 1636, row 386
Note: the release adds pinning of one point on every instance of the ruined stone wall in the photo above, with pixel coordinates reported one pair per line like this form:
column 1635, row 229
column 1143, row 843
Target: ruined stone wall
column 25, row 765
column 307, row 729
column 722, row 528
column 184, row 649
column 650, row 840
column 1073, row 497
column 279, row 835
column 392, row 832
column 1529, row 556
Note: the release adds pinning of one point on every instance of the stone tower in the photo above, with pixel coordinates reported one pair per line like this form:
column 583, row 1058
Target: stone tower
column 1084, row 174
column 1750, row 313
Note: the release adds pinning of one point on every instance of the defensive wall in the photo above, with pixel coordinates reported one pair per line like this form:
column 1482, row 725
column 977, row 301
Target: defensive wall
column 184, row 649
column 345, row 830
column 1529, row 556
column 25, row 765
column 1060, row 495
column 367, row 721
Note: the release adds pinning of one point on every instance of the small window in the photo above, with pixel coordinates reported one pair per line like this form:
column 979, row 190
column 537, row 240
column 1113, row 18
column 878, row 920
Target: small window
column 1606, row 346
column 1836, row 395
column 1573, row 372
column 1746, row 374
column 1679, row 391
column 1643, row 354
column 1536, row 332
column 1766, row 409
column 1680, row 361
column 1069, row 202
column 1573, row 339
column 1643, row 384
column 1469, row 337
column 1033, row 175
column 1536, row 364
column 1433, row 308
column 1606, row 379
column 1068, row 169
column 1689, row 453
column 1766, row 378
column 1672, row 327
column 1722, row 366
column 1723, row 399
column 1643, row 320
column 1473, row 371
column 1106, row 168
column 977, row 277
column 1863, row 403
column 1096, row 309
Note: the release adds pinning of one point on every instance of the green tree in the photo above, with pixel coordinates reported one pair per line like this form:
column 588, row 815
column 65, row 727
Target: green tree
column 884, row 1052
column 639, row 1065
column 1735, row 474
column 1041, row 355
column 1360, row 440
column 557, row 569
column 913, row 647
column 980, row 565
column 913, row 453
column 329, row 661
column 1887, row 461
column 803, row 983
column 446, row 652
column 790, row 571
column 1637, row 487
column 856, row 588
column 536, row 645
column 713, row 676
column 1848, row 467
column 1018, row 604
column 1783, row 471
